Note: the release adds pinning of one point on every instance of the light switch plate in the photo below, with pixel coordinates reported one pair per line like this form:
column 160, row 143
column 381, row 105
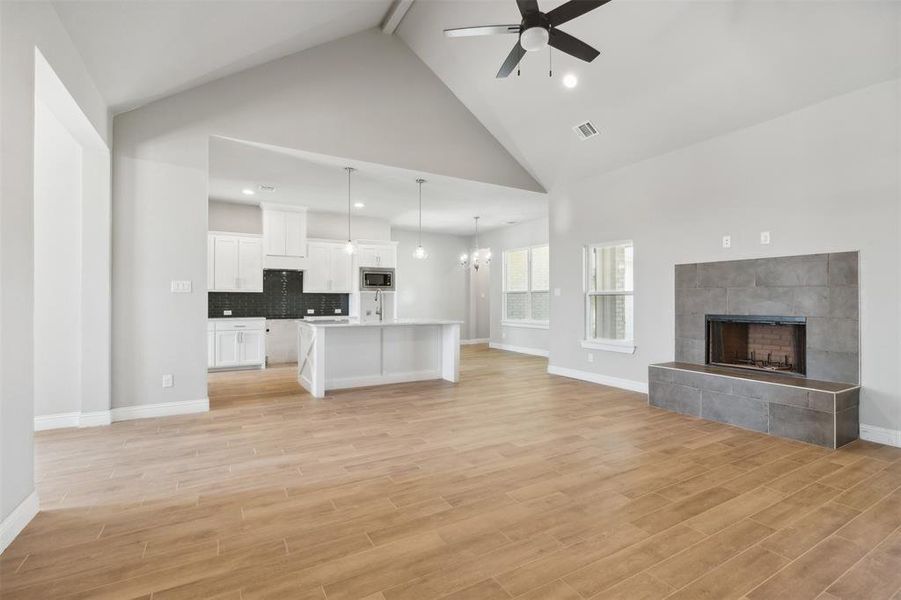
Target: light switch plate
column 180, row 286
column 168, row 380
column 727, row 241
column 556, row 291
column 764, row 237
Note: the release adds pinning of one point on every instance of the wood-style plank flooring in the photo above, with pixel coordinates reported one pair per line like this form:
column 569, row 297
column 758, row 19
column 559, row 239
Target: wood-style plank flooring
column 512, row 484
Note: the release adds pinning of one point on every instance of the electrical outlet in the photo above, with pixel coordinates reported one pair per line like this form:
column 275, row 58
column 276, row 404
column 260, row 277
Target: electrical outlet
column 557, row 291
column 727, row 241
column 590, row 357
column 764, row 237
column 337, row 311
column 168, row 380
column 310, row 311
column 180, row 286
column 226, row 313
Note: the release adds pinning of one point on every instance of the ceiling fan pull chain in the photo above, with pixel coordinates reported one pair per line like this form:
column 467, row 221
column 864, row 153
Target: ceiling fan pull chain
column 550, row 63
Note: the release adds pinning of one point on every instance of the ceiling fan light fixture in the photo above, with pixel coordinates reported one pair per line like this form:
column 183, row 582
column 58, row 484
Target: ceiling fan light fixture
column 534, row 39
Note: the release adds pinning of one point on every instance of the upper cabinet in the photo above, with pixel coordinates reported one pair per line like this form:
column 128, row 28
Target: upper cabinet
column 329, row 269
column 284, row 235
column 234, row 262
column 372, row 254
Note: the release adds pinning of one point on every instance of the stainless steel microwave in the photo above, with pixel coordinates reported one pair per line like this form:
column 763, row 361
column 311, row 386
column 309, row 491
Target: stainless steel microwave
column 372, row 279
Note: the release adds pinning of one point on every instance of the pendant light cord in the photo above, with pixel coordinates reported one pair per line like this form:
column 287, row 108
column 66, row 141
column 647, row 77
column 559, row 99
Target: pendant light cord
column 349, row 171
column 420, row 182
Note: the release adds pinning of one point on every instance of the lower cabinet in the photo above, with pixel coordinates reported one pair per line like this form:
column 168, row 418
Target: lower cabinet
column 236, row 343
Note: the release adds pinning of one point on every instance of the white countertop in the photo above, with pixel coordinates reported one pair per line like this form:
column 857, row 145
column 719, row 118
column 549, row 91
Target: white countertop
column 236, row 319
column 391, row 323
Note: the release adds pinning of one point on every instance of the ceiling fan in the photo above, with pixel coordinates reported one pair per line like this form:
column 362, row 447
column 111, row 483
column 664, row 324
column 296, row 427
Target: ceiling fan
column 538, row 30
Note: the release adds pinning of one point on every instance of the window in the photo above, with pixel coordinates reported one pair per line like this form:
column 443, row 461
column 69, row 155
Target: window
column 527, row 299
column 609, row 311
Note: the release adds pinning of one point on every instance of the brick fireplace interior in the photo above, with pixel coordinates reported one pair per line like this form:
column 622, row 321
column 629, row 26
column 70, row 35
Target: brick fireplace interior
column 757, row 342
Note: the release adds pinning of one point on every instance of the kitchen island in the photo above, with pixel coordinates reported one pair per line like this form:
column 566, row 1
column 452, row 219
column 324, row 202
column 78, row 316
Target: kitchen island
column 340, row 355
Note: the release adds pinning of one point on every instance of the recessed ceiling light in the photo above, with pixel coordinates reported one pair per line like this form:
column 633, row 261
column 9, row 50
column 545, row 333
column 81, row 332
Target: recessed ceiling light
column 359, row 205
column 570, row 80
column 248, row 192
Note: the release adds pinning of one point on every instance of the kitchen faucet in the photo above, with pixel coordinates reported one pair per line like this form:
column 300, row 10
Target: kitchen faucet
column 378, row 300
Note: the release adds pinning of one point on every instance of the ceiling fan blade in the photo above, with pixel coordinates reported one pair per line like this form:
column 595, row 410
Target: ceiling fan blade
column 572, row 9
column 513, row 59
column 564, row 42
column 482, row 30
column 527, row 7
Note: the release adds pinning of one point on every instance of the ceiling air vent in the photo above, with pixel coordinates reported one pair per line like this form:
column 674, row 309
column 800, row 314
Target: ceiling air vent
column 585, row 130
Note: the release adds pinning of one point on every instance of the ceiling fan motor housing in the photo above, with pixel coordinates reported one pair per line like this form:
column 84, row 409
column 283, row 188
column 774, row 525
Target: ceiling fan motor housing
column 534, row 34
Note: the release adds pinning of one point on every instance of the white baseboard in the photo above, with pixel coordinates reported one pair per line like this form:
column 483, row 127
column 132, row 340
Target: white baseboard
column 473, row 341
column 21, row 516
column 163, row 409
column 344, row 383
column 124, row 413
column 519, row 349
column 72, row 419
column 617, row 382
column 880, row 435
column 57, row 421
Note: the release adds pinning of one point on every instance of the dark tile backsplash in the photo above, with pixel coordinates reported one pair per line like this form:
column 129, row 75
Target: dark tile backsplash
column 282, row 298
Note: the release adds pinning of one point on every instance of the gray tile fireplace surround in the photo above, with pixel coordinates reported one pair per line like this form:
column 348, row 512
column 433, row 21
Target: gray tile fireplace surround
column 818, row 412
column 820, row 287
column 821, row 408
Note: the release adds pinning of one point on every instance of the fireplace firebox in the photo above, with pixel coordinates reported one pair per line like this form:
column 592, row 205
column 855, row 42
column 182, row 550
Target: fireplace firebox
column 763, row 343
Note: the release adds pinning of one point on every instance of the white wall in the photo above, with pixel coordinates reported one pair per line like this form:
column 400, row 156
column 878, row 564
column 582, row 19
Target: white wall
column 822, row 179
column 529, row 233
column 57, row 266
column 247, row 218
column 333, row 226
column 234, row 217
column 24, row 26
column 364, row 97
column 437, row 286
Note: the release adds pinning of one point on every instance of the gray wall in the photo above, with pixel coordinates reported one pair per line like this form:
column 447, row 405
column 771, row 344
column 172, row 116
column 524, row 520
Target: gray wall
column 822, row 179
column 320, row 100
column 24, row 25
column 435, row 287
column 529, row 233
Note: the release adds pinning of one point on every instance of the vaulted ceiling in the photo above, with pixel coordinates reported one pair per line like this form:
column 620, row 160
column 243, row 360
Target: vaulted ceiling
column 671, row 72
column 141, row 50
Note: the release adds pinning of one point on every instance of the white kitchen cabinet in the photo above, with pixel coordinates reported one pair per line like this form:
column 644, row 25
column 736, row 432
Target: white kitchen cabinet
column 285, row 231
column 210, row 345
column 340, row 265
column 328, row 269
column 377, row 255
column 237, row 263
column 236, row 343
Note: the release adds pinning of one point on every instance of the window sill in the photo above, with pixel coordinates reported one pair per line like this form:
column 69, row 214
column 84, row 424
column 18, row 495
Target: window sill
column 624, row 347
column 525, row 324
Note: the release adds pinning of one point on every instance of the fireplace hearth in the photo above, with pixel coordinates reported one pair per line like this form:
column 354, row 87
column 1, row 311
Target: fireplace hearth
column 762, row 343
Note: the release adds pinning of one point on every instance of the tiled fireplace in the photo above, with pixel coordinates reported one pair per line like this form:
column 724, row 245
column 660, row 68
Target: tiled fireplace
column 767, row 344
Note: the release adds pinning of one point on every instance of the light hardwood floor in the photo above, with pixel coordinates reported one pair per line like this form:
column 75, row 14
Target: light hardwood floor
column 513, row 483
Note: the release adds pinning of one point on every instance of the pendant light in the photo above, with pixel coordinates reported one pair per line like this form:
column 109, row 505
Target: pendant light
column 476, row 256
column 349, row 246
column 420, row 252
